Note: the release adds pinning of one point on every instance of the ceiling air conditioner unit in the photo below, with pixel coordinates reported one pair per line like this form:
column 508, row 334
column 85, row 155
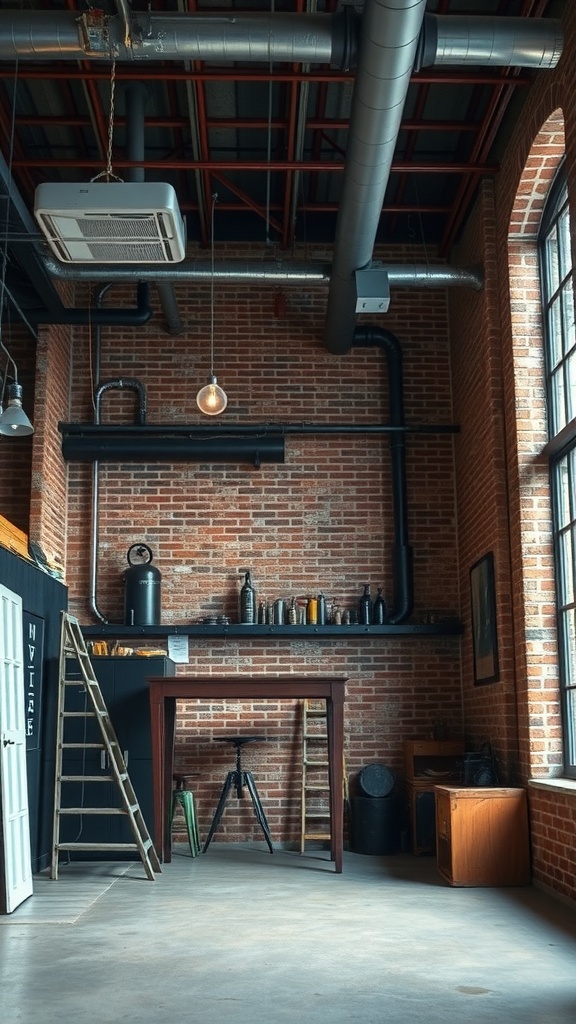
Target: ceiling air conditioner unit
column 115, row 222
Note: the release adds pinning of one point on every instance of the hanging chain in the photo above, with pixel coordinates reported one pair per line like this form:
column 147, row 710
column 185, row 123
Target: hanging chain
column 109, row 173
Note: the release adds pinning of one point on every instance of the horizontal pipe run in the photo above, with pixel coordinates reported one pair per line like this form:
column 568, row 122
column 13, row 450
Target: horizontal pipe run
column 115, row 446
column 250, row 429
column 264, row 37
column 399, row 274
column 243, row 36
column 483, row 41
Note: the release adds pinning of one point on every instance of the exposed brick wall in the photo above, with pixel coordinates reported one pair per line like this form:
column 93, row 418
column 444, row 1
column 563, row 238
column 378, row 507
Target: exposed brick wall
column 16, row 452
column 321, row 521
column 497, row 366
column 48, row 501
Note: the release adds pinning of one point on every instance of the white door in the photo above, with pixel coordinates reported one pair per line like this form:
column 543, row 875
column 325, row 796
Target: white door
column 16, row 854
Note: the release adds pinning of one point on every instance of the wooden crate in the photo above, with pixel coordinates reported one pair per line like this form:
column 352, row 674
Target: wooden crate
column 482, row 836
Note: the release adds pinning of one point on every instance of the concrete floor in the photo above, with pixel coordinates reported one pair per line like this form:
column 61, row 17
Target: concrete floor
column 242, row 936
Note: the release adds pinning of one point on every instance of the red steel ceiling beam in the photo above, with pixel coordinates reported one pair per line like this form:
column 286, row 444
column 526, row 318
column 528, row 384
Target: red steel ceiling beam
column 170, row 163
column 54, row 72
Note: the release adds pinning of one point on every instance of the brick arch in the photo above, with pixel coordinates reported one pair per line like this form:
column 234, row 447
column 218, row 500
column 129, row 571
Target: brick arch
column 537, row 668
column 537, row 175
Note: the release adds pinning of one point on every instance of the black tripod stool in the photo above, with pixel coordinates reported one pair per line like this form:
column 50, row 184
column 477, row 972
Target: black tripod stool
column 240, row 779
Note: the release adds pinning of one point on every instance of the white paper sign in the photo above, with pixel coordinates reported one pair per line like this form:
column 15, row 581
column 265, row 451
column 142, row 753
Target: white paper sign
column 178, row 649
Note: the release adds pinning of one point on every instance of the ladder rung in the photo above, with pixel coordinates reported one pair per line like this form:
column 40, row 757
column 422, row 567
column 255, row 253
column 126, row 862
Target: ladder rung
column 82, row 746
column 89, row 778
column 316, row 764
column 317, row 789
column 93, row 810
column 317, row 814
column 100, row 846
column 316, row 835
column 79, row 714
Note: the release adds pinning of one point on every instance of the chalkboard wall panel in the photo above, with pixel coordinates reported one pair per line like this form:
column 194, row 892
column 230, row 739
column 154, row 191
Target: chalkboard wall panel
column 43, row 599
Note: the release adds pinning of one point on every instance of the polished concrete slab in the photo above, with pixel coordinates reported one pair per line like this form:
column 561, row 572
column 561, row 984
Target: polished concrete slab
column 239, row 935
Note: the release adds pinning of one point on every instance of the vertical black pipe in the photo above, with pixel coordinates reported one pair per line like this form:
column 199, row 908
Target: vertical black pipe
column 403, row 600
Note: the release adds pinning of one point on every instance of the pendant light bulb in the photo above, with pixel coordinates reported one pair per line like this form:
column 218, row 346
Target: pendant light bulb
column 211, row 399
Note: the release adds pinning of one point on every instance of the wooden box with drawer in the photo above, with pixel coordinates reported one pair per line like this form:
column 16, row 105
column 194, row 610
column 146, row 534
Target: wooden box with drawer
column 482, row 836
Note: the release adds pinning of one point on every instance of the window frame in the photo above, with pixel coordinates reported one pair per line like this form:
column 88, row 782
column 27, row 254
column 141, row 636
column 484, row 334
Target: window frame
column 559, row 343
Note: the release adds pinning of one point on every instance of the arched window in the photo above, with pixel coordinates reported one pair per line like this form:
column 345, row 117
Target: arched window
column 557, row 283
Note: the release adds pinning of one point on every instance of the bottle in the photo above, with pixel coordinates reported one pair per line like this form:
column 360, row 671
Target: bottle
column 321, row 609
column 248, row 601
column 292, row 613
column 262, row 612
column 365, row 607
column 379, row 615
column 312, row 611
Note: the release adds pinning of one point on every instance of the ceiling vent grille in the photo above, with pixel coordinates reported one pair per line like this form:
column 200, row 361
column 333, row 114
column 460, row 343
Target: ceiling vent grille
column 116, row 222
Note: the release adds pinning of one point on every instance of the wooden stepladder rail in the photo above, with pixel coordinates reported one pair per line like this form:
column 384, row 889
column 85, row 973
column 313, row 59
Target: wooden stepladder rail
column 315, row 805
column 81, row 734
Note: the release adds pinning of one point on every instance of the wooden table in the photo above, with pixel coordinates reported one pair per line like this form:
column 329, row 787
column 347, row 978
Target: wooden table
column 166, row 690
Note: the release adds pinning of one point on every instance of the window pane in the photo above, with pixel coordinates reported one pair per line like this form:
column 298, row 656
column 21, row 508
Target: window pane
column 552, row 262
column 562, row 493
column 568, row 315
column 571, row 387
column 566, row 574
column 554, row 328
column 570, row 728
column 564, row 259
column 556, row 399
column 569, row 647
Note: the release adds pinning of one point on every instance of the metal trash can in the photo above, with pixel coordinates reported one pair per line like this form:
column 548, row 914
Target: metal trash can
column 377, row 824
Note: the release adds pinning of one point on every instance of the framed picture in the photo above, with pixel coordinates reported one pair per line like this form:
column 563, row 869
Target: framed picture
column 483, row 608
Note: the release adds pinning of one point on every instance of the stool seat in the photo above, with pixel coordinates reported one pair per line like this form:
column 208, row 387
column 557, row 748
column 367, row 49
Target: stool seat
column 239, row 741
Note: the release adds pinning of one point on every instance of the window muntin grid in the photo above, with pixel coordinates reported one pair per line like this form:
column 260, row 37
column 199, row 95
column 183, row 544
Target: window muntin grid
column 560, row 355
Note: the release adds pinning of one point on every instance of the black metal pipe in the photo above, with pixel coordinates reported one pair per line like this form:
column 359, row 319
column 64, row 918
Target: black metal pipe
column 110, row 317
column 120, row 384
column 262, row 429
column 402, row 552
column 118, row 447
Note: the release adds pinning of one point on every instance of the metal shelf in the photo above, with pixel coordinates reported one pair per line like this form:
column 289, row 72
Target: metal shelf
column 451, row 627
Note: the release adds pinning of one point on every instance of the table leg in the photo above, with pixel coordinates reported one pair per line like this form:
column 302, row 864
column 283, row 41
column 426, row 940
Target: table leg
column 335, row 731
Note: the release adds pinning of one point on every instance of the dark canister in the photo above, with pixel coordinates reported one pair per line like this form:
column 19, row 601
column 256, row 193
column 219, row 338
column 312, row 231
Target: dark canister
column 365, row 607
column 141, row 588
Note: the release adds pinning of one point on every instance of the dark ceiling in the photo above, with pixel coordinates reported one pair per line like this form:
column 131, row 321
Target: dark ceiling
column 269, row 139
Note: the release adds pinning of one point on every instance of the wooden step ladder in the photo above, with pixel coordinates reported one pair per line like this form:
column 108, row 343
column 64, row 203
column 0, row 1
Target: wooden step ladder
column 95, row 720
column 315, row 804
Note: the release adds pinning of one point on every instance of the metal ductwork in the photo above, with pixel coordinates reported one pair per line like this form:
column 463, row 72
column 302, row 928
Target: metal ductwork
column 265, row 38
column 135, row 114
column 399, row 275
column 388, row 44
column 392, row 38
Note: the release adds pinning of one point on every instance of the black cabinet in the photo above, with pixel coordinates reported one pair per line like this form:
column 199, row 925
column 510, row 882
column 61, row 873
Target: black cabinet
column 124, row 686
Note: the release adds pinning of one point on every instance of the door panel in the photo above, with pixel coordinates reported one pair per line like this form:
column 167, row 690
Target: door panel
column 16, row 854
